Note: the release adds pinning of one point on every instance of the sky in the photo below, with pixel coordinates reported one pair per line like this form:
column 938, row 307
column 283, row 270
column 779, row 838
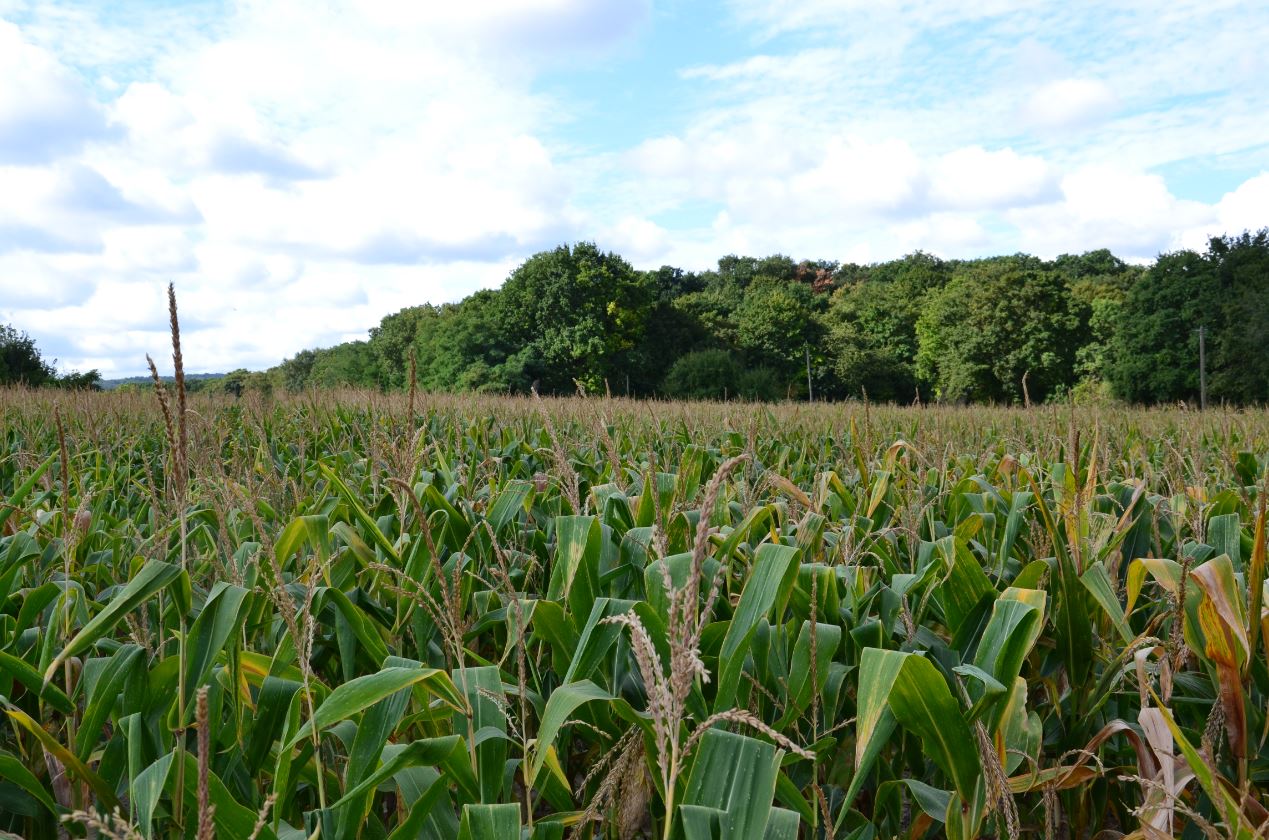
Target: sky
column 301, row 169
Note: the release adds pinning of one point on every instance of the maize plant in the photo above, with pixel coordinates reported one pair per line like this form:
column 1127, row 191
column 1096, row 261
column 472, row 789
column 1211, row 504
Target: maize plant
column 356, row 615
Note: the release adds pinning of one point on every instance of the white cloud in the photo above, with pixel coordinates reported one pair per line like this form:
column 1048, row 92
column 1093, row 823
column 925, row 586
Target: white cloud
column 1133, row 214
column 288, row 165
column 638, row 239
column 1246, row 208
column 1243, row 209
column 301, row 170
column 45, row 112
column 975, row 178
column 1068, row 104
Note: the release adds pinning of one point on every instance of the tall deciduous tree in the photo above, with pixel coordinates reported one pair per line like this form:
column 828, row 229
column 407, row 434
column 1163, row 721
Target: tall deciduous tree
column 1240, row 358
column 872, row 325
column 576, row 309
column 995, row 323
column 390, row 343
column 1156, row 345
column 776, row 325
column 20, row 360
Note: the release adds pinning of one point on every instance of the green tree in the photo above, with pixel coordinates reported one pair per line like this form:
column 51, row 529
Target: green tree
column 76, row 381
column 1224, row 290
column 242, row 380
column 997, row 321
column 352, row 363
column 872, row 325
column 776, row 325
column 1239, row 358
column 296, row 373
column 390, row 343
column 469, row 346
column 1155, row 345
column 576, row 310
column 671, row 332
column 21, row 362
column 1098, row 284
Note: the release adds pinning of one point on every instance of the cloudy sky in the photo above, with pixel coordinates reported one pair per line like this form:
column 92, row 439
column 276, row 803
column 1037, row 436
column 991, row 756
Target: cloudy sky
column 301, row 169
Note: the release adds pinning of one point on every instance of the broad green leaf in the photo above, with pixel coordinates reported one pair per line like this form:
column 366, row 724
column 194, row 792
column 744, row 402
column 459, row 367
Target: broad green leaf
column 22, row 490
column 360, row 694
column 448, row 752
column 222, row 615
column 486, row 701
column 147, row 790
column 878, row 670
column 559, row 707
column 782, row 824
column 73, row 765
column 827, row 638
column 360, row 513
column 1097, row 582
column 922, row 703
column 126, row 660
column 490, row 822
column 14, row 771
column 770, row 581
column 737, row 775
column 30, row 678
column 231, row 818
column 154, row 575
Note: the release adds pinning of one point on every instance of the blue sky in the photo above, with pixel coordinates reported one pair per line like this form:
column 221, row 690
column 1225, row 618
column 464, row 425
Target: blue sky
column 301, row 169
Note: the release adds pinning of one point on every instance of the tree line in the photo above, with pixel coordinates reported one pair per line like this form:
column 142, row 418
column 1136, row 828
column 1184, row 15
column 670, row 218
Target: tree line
column 1007, row 329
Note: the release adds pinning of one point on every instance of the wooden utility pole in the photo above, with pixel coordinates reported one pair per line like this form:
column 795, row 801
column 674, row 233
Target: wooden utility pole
column 810, row 395
column 1202, row 331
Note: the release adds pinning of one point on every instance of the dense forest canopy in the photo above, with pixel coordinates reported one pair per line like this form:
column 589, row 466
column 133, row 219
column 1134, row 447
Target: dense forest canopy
column 1009, row 329
column 1005, row 329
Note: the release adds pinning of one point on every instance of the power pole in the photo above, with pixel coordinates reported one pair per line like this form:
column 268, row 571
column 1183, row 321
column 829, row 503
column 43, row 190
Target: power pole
column 1202, row 331
column 810, row 395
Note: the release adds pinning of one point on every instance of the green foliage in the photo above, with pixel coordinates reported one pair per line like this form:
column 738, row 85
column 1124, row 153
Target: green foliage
column 429, row 626
column 1223, row 290
column 574, row 310
column 1156, row 346
column 296, row 373
column 20, row 360
column 872, row 327
column 1085, row 326
column 390, row 344
column 21, row 363
column 1240, row 352
column 702, row 375
column 76, row 381
column 351, row 363
column 996, row 322
column 776, row 324
column 468, row 347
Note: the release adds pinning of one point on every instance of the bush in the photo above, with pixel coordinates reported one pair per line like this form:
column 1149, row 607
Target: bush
column 703, row 375
column 761, row 384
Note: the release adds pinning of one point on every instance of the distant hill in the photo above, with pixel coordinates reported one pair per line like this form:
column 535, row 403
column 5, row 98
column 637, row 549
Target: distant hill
column 107, row 384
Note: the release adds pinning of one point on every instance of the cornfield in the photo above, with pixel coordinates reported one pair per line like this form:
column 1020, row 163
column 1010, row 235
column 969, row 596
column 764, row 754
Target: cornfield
column 357, row 615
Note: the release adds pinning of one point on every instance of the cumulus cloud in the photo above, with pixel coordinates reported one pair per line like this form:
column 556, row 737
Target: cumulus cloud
column 45, row 112
column 300, row 170
column 1243, row 209
column 1133, row 214
column 974, row 178
column 326, row 165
